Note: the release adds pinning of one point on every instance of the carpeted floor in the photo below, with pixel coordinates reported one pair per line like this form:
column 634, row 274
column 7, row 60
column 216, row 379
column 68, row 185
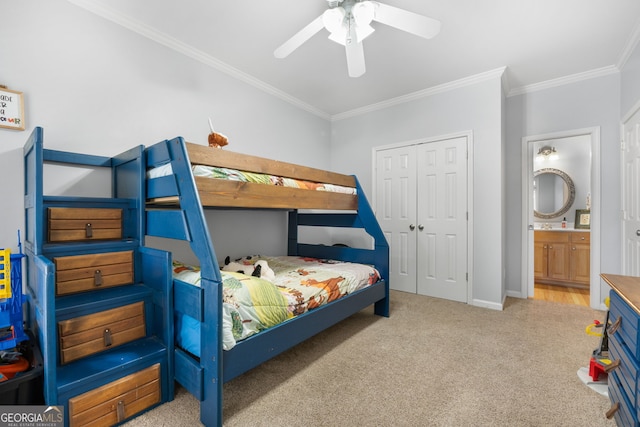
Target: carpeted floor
column 431, row 363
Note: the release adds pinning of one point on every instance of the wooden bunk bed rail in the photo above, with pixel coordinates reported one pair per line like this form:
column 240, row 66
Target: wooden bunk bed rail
column 236, row 194
column 203, row 155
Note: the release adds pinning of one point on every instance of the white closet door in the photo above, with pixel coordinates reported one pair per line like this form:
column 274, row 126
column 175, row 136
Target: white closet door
column 442, row 219
column 396, row 213
column 631, row 196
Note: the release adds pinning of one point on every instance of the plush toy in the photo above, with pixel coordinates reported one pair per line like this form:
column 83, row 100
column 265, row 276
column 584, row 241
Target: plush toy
column 216, row 140
column 258, row 269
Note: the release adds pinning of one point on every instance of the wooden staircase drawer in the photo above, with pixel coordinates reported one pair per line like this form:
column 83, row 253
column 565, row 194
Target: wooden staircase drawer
column 93, row 333
column 83, row 224
column 80, row 273
column 114, row 402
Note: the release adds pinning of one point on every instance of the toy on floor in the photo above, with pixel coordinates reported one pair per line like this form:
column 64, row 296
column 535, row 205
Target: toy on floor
column 599, row 362
column 258, row 268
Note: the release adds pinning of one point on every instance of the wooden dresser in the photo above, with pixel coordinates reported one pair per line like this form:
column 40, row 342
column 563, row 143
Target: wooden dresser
column 562, row 257
column 624, row 348
column 102, row 315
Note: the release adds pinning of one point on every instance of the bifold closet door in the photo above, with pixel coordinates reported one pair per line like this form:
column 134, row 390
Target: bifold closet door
column 442, row 219
column 396, row 212
column 421, row 204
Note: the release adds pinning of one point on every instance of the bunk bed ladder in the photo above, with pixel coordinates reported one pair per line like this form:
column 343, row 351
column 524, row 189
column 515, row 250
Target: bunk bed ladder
column 189, row 224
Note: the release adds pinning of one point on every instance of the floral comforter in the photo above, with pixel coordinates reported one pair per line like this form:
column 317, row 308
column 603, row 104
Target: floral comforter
column 252, row 304
column 256, row 178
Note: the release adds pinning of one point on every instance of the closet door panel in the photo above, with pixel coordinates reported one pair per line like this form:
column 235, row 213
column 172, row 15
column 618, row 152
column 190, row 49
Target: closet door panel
column 396, row 213
column 442, row 209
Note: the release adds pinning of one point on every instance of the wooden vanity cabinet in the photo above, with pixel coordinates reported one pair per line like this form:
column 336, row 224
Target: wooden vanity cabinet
column 562, row 257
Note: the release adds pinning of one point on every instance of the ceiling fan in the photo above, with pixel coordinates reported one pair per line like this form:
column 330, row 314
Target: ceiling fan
column 349, row 23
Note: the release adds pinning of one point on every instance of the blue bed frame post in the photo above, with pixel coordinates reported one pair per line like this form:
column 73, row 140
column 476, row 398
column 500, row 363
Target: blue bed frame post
column 188, row 223
column 364, row 218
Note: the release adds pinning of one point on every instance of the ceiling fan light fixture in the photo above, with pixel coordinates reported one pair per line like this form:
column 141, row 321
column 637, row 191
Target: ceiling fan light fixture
column 333, row 19
column 334, row 22
column 363, row 14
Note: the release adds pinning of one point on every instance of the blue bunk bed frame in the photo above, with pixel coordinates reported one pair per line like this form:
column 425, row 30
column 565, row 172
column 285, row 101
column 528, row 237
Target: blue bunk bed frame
column 205, row 376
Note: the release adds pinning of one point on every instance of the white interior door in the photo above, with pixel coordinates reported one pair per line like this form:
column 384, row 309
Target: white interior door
column 421, row 204
column 631, row 196
column 442, row 219
column 396, row 213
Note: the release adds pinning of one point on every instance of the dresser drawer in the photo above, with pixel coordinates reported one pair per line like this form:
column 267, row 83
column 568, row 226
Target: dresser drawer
column 624, row 414
column 627, row 369
column 625, row 323
column 114, row 402
column 93, row 333
column 90, row 272
column 83, row 224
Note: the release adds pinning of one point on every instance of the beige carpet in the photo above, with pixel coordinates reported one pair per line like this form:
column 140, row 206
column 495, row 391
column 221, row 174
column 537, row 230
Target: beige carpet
column 432, row 363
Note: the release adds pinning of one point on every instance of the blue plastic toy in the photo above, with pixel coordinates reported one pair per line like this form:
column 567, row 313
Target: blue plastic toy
column 11, row 298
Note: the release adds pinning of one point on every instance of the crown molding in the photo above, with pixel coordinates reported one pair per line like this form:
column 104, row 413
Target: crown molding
column 630, row 46
column 561, row 81
column 198, row 55
column 174, row 44
column 456, row 84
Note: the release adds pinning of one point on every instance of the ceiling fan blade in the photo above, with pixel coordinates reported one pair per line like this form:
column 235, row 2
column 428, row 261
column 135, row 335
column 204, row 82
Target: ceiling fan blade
column 355, row 58
column 406, row 21
column 299, row 38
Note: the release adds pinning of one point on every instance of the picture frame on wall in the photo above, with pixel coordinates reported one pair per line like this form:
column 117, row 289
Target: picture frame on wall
column 583, row 219
column 11, row 109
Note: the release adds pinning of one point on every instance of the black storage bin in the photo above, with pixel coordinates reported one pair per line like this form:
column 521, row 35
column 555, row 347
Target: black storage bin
column 26, row 388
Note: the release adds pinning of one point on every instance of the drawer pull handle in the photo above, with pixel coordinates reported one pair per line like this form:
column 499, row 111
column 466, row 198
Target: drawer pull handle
column 613, row 365
column 612, row 411
column 616, row 325
column 97, row 278
column 88, row 230
column 120, row 411
column 107, row 337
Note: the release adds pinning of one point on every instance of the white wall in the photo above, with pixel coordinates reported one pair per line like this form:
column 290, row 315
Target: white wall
column 630, row 82
column 475, row 108
column 97, row 88
column 580, row 105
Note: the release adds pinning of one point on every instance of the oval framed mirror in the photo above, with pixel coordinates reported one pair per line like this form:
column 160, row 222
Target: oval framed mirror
column 553, row 193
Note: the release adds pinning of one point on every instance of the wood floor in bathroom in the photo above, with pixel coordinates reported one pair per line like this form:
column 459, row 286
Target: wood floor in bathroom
column 563, row 294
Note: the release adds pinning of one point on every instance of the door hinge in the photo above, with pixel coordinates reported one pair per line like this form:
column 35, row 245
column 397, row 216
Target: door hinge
column 467, row 276
column 622, row 145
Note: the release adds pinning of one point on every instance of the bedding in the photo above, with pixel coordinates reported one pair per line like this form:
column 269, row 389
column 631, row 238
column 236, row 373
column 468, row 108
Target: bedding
column 256, row 178
column 252, row 304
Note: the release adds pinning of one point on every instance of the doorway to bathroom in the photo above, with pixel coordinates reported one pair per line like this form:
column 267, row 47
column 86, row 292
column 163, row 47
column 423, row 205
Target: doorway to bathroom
column 560, row 217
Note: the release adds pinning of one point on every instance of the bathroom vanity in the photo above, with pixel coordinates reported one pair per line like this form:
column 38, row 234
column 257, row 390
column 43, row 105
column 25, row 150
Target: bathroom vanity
column 562, row 257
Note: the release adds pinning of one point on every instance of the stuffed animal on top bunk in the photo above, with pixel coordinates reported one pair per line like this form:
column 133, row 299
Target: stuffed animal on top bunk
column 258, row 269
column 216, row 140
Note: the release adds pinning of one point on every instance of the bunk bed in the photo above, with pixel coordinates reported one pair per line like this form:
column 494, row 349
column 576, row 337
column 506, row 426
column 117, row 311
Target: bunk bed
column 176, row 201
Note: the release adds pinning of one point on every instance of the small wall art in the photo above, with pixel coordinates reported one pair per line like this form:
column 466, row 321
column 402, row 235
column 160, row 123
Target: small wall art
column 583, row 219
column 11, row 109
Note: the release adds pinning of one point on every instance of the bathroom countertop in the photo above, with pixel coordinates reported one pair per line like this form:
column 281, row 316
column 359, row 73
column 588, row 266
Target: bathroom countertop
column 580, row 230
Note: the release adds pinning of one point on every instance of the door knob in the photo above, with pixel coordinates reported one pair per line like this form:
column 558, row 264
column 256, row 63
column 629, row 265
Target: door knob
column 637, row 232
column 412, row 227
column 421, row 227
